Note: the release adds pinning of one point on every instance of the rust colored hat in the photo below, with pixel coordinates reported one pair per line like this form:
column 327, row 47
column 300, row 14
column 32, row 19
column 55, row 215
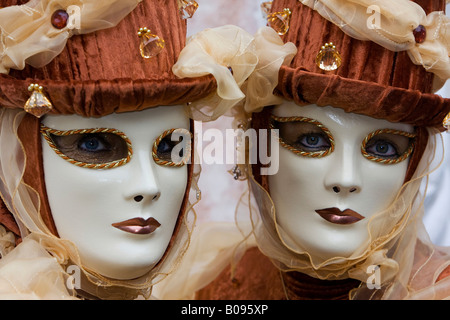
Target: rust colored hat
column 371, row 79
column 101, row 68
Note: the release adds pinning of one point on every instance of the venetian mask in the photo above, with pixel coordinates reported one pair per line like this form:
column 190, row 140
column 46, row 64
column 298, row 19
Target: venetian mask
column 336, row 171
column 114, row 186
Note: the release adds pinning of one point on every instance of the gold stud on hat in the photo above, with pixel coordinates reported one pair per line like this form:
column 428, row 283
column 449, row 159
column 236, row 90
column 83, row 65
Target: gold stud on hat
column 328, row 58
column 38, row 104
column 151, row 45
column 280, row 21
column 187, row 8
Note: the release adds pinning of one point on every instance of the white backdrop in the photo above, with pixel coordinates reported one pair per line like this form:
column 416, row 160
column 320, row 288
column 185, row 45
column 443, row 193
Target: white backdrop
column 220, row 192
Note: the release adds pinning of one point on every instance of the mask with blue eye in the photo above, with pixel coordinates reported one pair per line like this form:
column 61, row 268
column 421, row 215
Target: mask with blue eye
column 173, row 148
column 304, row 136
column 308, row 137
column 103, row 148
column 98, row 148
column 388, row 146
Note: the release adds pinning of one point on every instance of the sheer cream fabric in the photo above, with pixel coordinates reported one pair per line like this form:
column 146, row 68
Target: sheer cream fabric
column 50, row 256
column 228, row 54
column 272, row 54
column 27, row 35
column 232, row 55
column 390, row 24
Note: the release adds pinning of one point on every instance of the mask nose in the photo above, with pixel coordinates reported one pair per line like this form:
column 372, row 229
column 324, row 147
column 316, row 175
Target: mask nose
column 344, row 177
column 143, row 184
column 339, row 188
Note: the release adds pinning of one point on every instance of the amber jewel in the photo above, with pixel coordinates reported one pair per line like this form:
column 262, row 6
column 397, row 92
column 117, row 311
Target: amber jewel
column 38, row 104
column 446, row 122
column 420, row 34
column 59, row 19
column 279, row 21
column 328, row 58
column 187, row 8
column 151, row 45
column 265, row 8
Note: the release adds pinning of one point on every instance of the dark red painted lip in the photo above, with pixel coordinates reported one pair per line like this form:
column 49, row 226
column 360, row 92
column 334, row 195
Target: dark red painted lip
column 335, row 215
column 138, row 225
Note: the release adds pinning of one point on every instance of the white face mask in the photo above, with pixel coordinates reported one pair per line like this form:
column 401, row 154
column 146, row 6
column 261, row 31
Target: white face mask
column 93, row 207
column 338, row 176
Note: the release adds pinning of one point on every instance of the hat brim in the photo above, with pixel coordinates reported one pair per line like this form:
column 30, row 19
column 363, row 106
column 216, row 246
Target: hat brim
column 361, row 97
column 102, row 97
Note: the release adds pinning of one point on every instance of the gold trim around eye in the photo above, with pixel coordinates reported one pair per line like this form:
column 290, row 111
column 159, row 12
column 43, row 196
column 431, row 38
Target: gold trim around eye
column 186, row 157
column 46, row 131
column 315, row 154
column 403, row 157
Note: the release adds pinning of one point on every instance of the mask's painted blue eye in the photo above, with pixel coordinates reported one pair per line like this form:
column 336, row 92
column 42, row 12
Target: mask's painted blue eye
column 313, row 142
column 172, row 148
column 92, row 144
column 388, row 146
column 99, row 148
column 383, row 148
column 303, row 136
column 166, row 146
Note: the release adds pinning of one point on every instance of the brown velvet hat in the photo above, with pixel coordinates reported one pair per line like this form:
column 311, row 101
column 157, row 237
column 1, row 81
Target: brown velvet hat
column 371, row 79
column 103, row 72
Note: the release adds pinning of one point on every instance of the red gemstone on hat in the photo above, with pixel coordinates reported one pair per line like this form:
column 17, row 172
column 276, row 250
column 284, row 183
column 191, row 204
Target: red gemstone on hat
column 59, row 19
column 420, row 33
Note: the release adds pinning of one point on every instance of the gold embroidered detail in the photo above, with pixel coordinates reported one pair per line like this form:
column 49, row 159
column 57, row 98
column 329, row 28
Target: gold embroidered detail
column 46, row 132
column 328, row 58
column 151, row 44
column 38, row 104
column 312, row 154
column 402, row 157
column 280, row 21
column 169, row 161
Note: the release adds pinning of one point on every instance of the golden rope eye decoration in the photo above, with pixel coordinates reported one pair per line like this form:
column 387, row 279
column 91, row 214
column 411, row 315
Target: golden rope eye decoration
column 71, row 146
column 321, row 130
column 388, row 159
column 168, row 151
